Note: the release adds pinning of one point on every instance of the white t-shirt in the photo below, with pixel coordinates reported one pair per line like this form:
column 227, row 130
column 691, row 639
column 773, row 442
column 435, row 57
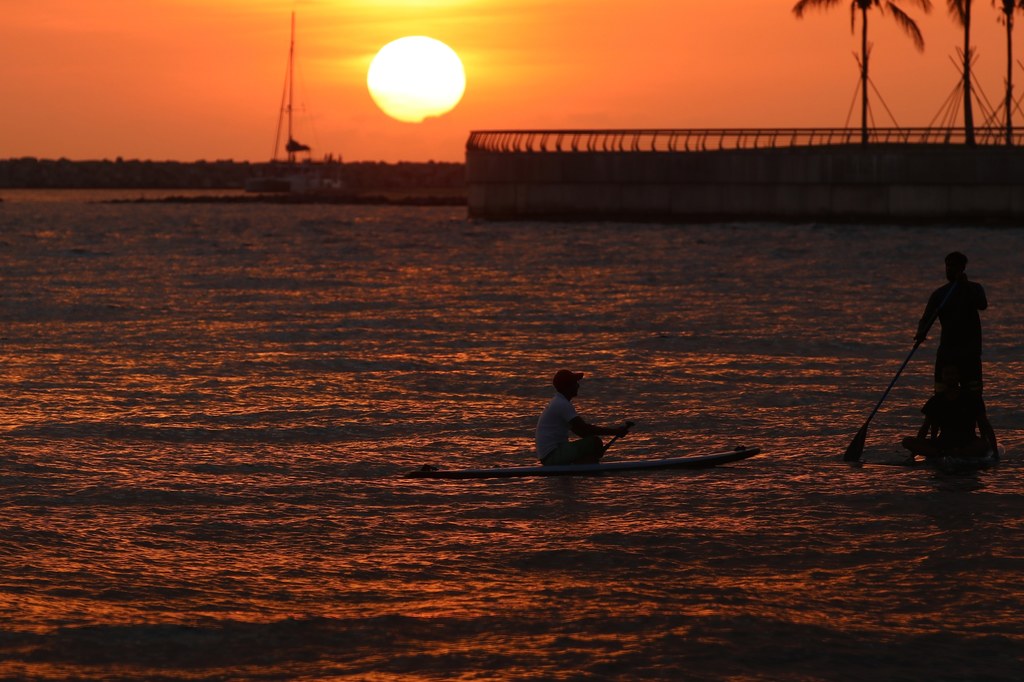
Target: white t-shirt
column 553, row 425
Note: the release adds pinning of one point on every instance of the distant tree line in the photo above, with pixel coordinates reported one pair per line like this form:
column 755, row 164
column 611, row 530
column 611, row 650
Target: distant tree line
column 31, row 172
column 961, row 11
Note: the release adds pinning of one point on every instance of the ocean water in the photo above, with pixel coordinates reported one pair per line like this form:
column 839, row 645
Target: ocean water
column 207, row 411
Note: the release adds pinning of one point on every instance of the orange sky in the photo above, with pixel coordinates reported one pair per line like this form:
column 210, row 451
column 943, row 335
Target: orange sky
column 201, row 79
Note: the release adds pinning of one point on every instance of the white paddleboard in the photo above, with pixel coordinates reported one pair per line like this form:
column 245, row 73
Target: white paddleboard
column 691, row 462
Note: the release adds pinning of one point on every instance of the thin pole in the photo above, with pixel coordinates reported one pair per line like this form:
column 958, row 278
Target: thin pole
column 291, row 87
column 864, row 77
column 1009, row 76
column 968, row 104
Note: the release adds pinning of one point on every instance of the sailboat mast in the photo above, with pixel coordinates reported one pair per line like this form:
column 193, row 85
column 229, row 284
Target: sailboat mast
column 291, row 88
column 292, row 147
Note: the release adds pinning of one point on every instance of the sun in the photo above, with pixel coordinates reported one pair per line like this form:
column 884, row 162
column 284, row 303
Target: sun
column 416, row 77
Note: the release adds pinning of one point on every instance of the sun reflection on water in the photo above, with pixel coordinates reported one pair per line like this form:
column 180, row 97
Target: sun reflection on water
column 207, row 411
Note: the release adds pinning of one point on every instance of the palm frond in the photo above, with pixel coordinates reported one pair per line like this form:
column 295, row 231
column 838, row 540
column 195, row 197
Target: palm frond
column 1008, row 6
column 803, row 5
column 959, row 9
column 925, row 5
column 908, row 25
column 1006, row 9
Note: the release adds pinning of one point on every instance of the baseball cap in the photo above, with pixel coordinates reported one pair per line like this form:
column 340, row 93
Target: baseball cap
column 564, row 377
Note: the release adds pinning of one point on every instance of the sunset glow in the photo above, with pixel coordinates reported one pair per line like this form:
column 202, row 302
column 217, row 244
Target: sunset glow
column 187, row 80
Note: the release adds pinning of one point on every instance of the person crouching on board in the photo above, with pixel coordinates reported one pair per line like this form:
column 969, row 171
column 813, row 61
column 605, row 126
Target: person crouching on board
column 950, row 419
column 560, row 417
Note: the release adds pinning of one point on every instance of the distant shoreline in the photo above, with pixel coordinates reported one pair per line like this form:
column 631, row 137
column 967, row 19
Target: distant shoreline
column 431, row 183
column 356, row 199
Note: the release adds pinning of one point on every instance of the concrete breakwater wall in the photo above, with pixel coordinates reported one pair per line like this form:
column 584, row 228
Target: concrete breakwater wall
column 871, row 183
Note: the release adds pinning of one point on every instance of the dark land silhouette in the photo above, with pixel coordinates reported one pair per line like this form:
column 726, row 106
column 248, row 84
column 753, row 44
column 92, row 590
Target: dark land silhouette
column 430, row 182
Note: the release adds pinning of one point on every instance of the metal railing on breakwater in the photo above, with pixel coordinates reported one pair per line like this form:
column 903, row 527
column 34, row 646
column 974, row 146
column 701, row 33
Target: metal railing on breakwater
column 710, row 139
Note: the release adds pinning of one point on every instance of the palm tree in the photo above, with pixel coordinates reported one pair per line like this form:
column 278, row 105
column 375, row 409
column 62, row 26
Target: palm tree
column 961, row 11
column 899, row 16
column 1008, row 7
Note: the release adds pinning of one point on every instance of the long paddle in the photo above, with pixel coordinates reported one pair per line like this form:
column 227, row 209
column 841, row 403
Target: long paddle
column 856, row 447
column 615, row 438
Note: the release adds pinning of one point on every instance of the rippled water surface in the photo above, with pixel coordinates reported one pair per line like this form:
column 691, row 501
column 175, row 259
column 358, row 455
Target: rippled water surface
column 207, row 411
